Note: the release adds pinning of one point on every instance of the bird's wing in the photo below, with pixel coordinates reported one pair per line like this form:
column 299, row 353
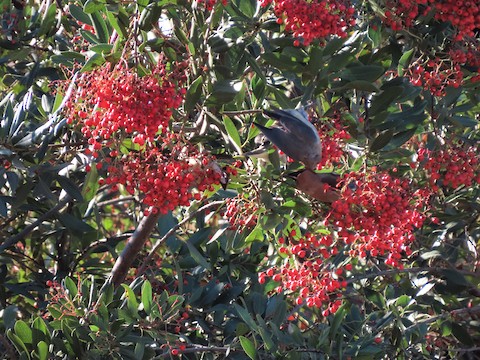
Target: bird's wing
column 296, row 123
column 283, row 140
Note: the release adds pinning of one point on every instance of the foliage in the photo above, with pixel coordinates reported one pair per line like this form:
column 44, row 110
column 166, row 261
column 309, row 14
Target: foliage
column 117, row 112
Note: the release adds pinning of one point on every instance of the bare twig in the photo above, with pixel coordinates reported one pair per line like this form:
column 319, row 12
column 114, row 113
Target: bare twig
column 170, row 232
column 29, row 228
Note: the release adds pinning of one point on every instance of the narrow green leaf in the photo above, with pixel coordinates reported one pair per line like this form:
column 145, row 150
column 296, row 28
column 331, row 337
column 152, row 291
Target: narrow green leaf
column 200, row 260
column 79, row 14
column 119, row 28
column 232, row 131
column 147, row 296
column 194, row 93
column 245, row 316
column 48, row 20
column 381, row 140
column 70, row 187
column 248, row 347
column 100, row 26
column 338, row 319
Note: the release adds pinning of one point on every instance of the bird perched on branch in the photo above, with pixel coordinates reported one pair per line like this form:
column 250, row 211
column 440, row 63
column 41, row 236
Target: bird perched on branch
column 320, row 186
column 295, row 136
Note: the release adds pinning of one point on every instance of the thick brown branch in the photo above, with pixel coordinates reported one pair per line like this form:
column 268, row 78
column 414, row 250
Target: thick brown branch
column 133, row 247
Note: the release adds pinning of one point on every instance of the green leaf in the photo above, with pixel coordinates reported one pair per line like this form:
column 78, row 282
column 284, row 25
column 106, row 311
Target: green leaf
column 232, row 131
column 71, row 287
column 132, row 303
column 70, row 187
column 23, row 331
column 381, row 140
column 337, row 321
column 116, row 24
column 366, row 73
column 94, row 61
column 92, row 6
column 42, row 350
column 102, row 48
column 223, row 92
column 147, row 296
column 197, row 256
column 381, row 101
column 100, row 26
column 248, row 347
column 48, row 20
column 19, row 345
column 462, row 335
column 358, row 85
column 246, row 317
column 194, row 93
column 77, row 13
column 404, row 61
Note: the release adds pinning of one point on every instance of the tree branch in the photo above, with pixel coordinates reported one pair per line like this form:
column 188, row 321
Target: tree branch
column 133, row 247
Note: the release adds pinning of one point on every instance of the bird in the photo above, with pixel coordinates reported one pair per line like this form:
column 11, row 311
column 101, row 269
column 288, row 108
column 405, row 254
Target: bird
column 296, row 136
column 320, row 186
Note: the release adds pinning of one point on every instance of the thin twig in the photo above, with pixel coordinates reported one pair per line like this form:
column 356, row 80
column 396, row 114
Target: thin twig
column 97, row 244
column 28, row 229
column 160, row 241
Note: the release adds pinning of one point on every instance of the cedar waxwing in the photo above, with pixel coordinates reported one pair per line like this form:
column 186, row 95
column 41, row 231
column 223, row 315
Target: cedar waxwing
column 296, row 136
column 319, row 186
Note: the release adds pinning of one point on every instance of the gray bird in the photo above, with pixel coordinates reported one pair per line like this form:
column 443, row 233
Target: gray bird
column 296, row 136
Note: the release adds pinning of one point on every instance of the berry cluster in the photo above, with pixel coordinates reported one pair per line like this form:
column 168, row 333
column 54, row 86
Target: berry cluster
column 241, row 213
column 402, row 13
column 333, row 135
column 305, row 273
column 127, row 117
column 452, row 166
column 167, row 178
column 377, row 215
column 310, row 20
column 210, row 4
column 468, row 54
column 114, row 104
column 463, row 15
column 436, row 75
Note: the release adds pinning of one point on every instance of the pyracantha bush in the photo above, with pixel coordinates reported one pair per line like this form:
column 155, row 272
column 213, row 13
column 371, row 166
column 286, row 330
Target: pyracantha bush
column 452, row 166
column 113, row 104
column 311, row 20
column 334, row 135
column 435, row 75
column 463, row 15
column 241, row 213
column 209, row 4
column 168, row 176
column 127, row 117
column 377, row 215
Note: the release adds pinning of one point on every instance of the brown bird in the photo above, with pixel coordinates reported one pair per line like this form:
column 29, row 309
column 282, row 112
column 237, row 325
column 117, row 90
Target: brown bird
column 319, row 186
